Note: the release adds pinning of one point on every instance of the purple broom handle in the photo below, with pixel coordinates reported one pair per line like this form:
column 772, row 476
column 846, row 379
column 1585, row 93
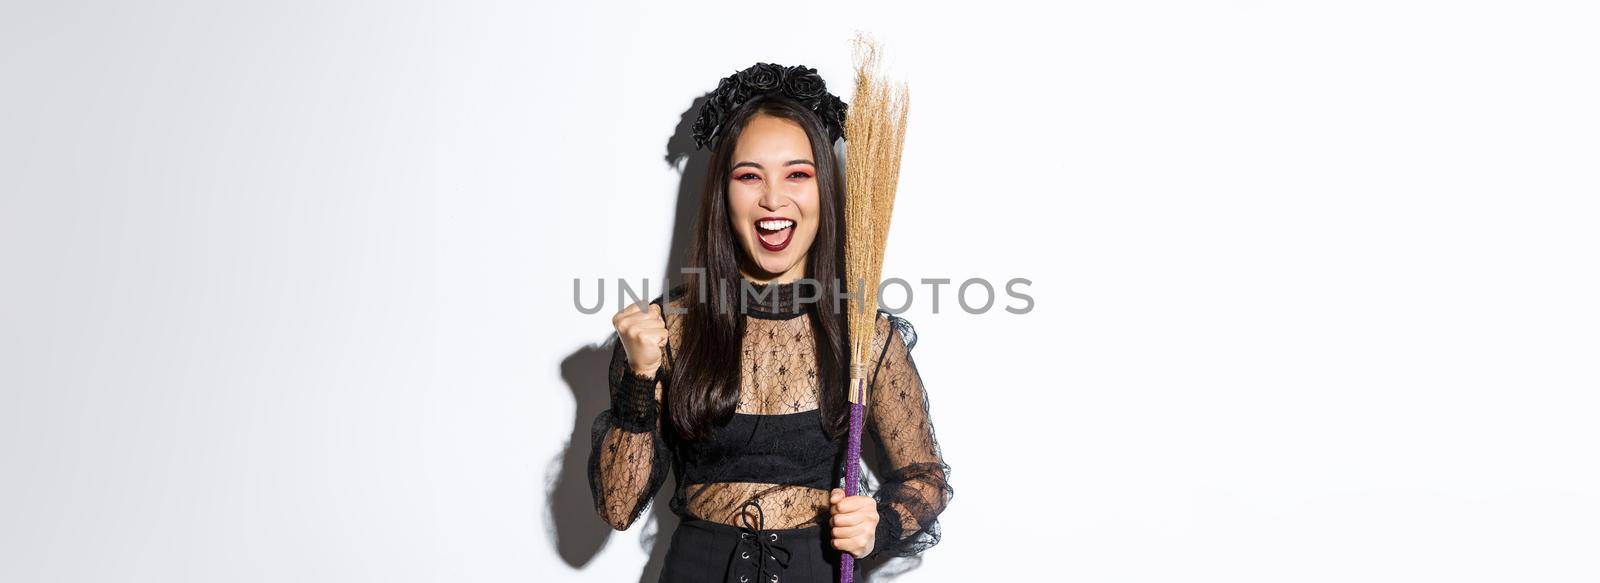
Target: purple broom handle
column 852, row 474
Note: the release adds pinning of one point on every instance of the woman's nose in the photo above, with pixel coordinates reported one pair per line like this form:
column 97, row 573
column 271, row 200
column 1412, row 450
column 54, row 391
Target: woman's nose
column 771, row 199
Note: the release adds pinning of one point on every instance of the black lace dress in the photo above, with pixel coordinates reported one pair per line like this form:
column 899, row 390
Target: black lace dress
column 771, row 468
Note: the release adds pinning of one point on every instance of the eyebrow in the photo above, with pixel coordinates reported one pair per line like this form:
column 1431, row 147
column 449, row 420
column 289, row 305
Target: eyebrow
column 789, row 163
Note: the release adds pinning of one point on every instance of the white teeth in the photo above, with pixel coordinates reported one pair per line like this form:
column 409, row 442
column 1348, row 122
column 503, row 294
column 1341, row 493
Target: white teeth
column 776, row 224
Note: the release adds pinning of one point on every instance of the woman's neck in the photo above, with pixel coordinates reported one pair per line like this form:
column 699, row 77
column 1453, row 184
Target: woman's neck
column 768, row 280
column 772, row 299
column 794, row 273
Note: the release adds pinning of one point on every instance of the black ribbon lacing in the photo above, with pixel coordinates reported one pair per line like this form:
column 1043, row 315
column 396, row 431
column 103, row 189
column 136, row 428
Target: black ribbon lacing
column 755, row 542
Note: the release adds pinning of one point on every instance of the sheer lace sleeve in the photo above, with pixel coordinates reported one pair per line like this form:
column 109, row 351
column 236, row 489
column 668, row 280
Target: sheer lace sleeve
column 914, row 486
column 629, row 459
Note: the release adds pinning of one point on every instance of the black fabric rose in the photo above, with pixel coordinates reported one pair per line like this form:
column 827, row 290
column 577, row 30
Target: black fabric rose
column 729, row 93
column 802, row 82
column 706, row 124
column 832, row 113
column 762, row 77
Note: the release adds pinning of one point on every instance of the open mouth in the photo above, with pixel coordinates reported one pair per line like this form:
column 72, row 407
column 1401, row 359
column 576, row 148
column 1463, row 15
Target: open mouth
column 775, row 233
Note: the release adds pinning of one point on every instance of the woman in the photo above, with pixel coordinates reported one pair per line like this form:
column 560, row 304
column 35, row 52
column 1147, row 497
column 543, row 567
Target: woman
column 738, row 385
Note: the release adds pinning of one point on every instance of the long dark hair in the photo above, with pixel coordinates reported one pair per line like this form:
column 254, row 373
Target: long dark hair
column 705, row 378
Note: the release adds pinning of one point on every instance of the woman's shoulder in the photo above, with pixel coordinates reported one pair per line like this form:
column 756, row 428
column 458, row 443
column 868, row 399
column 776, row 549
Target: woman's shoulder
column 891, row 325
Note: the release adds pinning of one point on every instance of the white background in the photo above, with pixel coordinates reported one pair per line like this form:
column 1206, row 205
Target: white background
column 287, row 286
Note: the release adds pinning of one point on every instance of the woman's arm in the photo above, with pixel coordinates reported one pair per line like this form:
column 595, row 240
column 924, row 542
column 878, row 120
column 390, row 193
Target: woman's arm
column 915, row 484
column 629, row 459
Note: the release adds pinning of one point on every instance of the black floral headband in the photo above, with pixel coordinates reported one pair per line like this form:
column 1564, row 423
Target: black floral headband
column 799, row 83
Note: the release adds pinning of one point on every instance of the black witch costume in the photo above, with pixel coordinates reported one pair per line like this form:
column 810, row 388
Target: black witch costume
column 754, row 499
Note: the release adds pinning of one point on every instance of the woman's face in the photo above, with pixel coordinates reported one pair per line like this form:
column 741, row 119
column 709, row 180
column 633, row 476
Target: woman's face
column 772, row 197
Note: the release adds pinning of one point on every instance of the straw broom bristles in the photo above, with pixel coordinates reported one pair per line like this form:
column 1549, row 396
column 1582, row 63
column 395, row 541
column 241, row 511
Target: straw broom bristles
column 875, row 129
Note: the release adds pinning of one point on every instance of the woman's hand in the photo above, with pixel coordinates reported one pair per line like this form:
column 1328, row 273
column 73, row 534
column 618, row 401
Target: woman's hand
column 855, row 522
column 643, row 333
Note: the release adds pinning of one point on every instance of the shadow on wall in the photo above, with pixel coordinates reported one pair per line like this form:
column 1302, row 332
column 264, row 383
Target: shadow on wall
column 574, row 524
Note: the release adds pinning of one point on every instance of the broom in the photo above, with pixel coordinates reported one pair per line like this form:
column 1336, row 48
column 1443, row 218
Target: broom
column 874, row 130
